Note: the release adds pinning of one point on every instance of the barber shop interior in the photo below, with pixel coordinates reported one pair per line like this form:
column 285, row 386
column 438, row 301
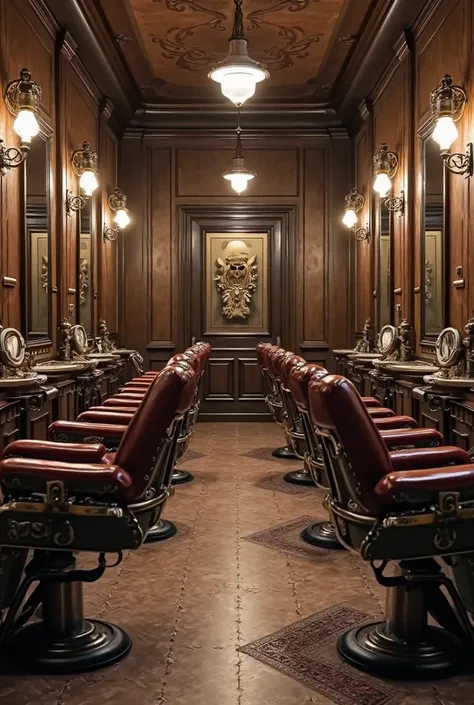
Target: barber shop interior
column 236, row 352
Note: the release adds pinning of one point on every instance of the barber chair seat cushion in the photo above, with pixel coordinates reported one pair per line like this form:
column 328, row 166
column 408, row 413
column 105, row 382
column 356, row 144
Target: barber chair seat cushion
column 52, row 450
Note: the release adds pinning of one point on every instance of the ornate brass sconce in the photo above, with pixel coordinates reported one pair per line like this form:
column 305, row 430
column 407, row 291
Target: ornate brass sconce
column 22, row 98
column 385, row 168
column 84, row 164
column 354, row 202
column 117, row 203
column 447, row 107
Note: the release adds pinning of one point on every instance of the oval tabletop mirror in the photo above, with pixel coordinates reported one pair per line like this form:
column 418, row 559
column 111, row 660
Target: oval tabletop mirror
column 79, row 339
column 388, row 338
column 12, row 347
column 448, row 347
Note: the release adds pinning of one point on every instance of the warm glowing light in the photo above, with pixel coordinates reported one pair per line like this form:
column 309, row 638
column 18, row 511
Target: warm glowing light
column 26, row 125
column 350, row 218
column 445, row 132
column 239, row 180
column 122, row 219
column 382, row 184
column 88, row 182
column 238, row 82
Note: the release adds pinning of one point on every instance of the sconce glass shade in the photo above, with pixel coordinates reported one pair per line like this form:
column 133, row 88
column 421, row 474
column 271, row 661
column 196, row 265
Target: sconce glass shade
column 445, row 132
column 88, row 182
column 238, row 74
column 350, row 218
column 122, row 219
column 382, row 184
column 26, row 125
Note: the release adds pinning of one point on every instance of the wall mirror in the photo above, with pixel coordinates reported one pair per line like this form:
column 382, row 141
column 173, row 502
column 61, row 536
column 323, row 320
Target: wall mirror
column 36, row 256
column 85, row 299
column 384, row 256
column 433, row 240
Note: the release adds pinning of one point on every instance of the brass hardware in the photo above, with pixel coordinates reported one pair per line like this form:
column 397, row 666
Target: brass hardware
column 110, row 234
column 9, row 281
column 417, row 290
column 354, row 201
column 11, row 157
column 71, row 291
column 84, row 159
column 398, row 290
column 459, row 283
column 70, row 310
column 395, row 203
column 459, row 163
column 54, row 289
column 448, row 103
column 362, row 234
column 118, row 203
column 374, row 293
column 22, row 98
column 74, row 203
column 385, row 162
column 236, row 279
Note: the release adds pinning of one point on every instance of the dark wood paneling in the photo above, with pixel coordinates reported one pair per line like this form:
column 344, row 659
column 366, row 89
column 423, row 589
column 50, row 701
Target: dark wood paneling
column 250, row 379
column 219, row 384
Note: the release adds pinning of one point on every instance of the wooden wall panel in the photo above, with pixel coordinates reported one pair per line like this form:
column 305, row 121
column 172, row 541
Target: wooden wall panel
column 108, row 251
column 363, row 294
column 162, row 292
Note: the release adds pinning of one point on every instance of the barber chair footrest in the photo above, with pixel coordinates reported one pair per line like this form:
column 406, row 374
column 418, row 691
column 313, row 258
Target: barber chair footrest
column 299, row 477
column 322, row 535
column 370, row 648
column 180, row 477
column 161, row 531
column 100, row 644
column 284, row 453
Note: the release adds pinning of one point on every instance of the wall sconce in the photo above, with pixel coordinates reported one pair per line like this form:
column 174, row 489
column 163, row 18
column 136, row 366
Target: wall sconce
column 84, row 164
column 117, row 203
column 385, row 168
column 447, row 107
column 354, row 202
column 22, row 98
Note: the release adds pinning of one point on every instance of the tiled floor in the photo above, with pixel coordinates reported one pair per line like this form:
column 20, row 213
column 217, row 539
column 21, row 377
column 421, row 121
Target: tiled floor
column 192, row 602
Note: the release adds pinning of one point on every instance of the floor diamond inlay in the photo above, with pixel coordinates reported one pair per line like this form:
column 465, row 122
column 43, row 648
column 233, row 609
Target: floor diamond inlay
column 266, row 454
column 192, row 455
column 276, row 483
column 286, row 538
column 306, row 651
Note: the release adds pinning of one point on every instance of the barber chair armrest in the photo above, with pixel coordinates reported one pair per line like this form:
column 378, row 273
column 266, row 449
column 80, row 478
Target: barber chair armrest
column 371, row 402
column 417, row 437
column 117, row 401
column 395, row 422
column 380, row 412
column 142, row 390
column 31, row 475
column 83, row 432
column 132, row 396
column 417, row 458
column 106, row 417
column 50, row 450
column 412, row 484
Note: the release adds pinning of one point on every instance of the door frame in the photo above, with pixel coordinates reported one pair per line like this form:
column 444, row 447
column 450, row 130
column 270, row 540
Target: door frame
column 239, row 218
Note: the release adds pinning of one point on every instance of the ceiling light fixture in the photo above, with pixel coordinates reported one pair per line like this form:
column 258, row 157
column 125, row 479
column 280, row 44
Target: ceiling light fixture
column 238, row 74
column 447, row 107
column 239, row 176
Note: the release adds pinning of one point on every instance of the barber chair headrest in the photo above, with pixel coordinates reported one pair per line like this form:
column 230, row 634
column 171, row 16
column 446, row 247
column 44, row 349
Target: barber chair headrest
column 289, row 362
column 278, row 359
column 298, row 382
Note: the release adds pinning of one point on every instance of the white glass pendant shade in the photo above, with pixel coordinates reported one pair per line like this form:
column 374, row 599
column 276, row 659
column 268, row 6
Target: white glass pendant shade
column 239, row 179
column 26, row 125
column 382, row 184
column 350, row 218
column 122, row 219
column 88, row 182
column 445, row 132
column 239, row 78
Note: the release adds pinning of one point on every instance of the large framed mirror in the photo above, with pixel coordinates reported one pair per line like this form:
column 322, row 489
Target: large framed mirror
column 384, row 269
column 85, row 263
column 36, row 255
column 433, row 250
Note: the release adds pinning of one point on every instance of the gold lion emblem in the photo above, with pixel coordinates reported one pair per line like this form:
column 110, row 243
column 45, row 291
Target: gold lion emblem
column 236, row 279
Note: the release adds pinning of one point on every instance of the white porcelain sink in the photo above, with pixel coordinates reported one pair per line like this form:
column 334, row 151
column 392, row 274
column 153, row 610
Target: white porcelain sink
column 54, row 368
column 414, row 368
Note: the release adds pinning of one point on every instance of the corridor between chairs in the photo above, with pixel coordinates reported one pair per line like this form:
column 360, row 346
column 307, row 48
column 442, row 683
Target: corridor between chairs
column 235, row 609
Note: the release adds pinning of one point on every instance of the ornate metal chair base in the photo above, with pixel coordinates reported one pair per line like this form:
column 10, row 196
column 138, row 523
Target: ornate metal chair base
column 323, row 535
column 180, row 477
column 299, row 477
column 161, row 531
column 284, row 453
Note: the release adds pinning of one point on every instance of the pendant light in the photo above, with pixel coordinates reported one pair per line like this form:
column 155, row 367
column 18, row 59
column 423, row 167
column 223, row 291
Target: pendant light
column 239, row 176
column 238, row 74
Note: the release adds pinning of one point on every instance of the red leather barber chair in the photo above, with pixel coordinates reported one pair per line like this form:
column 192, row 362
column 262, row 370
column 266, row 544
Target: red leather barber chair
column 415, row 509
column 59, row 499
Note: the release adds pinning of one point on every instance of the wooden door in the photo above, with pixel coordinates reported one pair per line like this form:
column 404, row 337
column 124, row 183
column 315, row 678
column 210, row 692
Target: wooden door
column 238, row 295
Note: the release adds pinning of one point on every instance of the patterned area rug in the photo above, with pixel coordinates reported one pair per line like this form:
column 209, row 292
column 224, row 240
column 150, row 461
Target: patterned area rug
column 306, row 651
column 286, row 538
column 276, row 483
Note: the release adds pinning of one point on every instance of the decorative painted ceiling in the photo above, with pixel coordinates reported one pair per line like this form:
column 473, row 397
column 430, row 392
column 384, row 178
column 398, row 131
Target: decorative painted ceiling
column 170, row 45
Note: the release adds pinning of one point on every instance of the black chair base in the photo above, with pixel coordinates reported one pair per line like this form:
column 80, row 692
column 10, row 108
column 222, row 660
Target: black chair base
column 284, row 453
column 322, row 535
column 161, row 531
column 371, row 649
column 98, row 645
column 299, row 477
column 180, row 477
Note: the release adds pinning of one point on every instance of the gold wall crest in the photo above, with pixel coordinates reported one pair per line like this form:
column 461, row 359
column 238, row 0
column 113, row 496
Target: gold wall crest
column 236, row 279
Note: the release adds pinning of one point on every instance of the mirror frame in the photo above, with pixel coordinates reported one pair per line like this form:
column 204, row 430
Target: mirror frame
column 429, row 339
column 46, row 134
column 378, row 214
column 93, row 206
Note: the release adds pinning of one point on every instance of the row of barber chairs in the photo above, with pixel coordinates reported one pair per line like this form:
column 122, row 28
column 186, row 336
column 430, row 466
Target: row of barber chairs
column 99, row 486
column 398, row 497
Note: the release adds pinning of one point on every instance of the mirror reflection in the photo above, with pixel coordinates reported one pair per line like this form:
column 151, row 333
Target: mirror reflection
column 85, row 300
column 385, row 264
column 433, row 240
column 36, row 299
